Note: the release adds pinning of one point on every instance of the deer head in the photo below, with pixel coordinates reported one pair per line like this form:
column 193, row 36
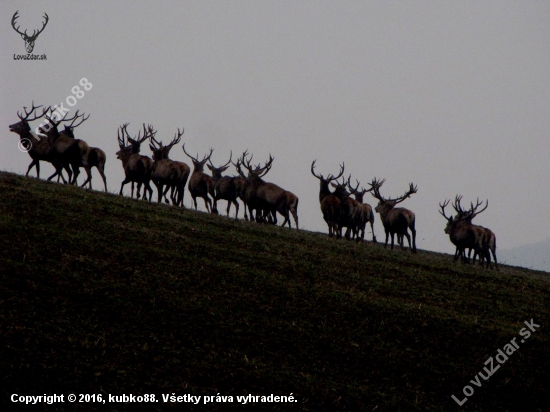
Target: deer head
column 129, row 146
column 23, row 125
column 385, row 205
column 160, row 151
column 69, row 129
column 198, row 164
column 29, row 40
column 217, row 171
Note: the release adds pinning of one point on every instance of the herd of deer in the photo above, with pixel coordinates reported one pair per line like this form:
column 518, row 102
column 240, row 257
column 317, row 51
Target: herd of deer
column 262, row 199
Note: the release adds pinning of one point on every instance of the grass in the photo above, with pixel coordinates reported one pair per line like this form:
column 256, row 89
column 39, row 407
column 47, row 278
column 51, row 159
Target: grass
column 102, row 294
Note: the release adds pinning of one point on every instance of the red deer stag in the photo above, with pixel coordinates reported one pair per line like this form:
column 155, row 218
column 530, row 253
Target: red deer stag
column 200, row 184
column 67, row 150
column 168, row 172
column 349, row 209
column 396, row 220
column 38, row 148
column 487, row 236
column 267, row 198
column 365, row 215
column 225, row 187
column 137, row 168
column 330, row 204
column 96, row 157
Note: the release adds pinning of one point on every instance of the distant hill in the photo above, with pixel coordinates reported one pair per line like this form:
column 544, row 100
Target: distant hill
column 106, row 295
column 532, row 256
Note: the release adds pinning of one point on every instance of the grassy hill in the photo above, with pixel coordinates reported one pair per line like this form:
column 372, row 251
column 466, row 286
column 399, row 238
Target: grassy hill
column 101, row 294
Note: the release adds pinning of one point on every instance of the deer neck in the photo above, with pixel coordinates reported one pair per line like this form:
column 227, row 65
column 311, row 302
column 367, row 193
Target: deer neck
column 324, row 191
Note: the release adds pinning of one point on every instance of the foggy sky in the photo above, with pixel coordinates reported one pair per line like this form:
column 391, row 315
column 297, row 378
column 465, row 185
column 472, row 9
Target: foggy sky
column 453, row 96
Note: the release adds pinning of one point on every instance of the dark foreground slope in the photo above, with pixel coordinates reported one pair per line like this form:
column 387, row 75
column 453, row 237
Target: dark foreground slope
column 101, row 294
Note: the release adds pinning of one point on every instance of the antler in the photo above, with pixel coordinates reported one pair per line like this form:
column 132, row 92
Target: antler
column 320, row 177
column 443, row 206
column 185, row 151
column 472, row 212
column 27, row 114
column 195, row 159
column 412, row 189
column 177, row 137
column 43, row 27
column 375, row 188
column 121, row 141
column 15, row 16
column 331, row 177
column 263, row 171
column 352, row 190
column 35, row 33
column 225, row 165
column 84, row 118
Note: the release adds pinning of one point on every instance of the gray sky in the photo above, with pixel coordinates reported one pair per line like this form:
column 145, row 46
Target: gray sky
column 453, row 96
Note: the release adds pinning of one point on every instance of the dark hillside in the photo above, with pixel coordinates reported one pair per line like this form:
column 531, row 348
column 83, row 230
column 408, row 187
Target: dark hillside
column 101, row 294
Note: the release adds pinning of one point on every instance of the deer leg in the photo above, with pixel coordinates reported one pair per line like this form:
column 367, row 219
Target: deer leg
column 149, row 189
column 494, row 258
column 88, row 177
column 102, row 173
column 69, row 172
column 408, row 240
column 174, row 195
column 207, row 203
column 413, row 231
column 34, row 163
column 122, row 186
column 228, row 207
column 295, row 215
column 76, row 172
column 372, row 229
column 346, row 235
column 159, row 191
column 215, row 206
column 236, row 208
column 165, row 193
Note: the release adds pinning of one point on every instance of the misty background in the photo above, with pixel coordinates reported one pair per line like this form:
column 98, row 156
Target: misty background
column 453, row 96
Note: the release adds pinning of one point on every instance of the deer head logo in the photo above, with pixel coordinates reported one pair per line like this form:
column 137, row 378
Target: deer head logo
column 29, row 40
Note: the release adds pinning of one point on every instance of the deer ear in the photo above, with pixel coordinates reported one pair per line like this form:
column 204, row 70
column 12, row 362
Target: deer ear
column 210, row 167
column 333, row 185
column 151, row 147
column 223, row 169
